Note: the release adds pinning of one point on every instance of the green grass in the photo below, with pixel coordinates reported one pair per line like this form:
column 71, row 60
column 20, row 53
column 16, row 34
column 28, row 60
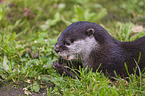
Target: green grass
column 35, row 25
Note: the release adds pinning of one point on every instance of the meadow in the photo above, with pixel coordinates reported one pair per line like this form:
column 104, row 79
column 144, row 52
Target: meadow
column 29, row 30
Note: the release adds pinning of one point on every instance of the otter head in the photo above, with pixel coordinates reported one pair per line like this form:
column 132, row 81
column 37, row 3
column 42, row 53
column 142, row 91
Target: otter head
column 78, row 40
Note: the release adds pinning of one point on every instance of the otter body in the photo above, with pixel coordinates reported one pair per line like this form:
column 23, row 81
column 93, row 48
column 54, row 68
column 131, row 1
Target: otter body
column 89, row 45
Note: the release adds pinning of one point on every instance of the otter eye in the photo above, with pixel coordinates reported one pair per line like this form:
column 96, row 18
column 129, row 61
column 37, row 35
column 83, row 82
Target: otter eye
column 68, row 42
column 71, row 40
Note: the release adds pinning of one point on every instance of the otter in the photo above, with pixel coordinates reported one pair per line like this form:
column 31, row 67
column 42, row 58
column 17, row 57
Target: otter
column 89, row 45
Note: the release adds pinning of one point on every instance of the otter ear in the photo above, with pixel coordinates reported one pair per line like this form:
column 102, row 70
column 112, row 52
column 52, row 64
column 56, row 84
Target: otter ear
column 90, row 31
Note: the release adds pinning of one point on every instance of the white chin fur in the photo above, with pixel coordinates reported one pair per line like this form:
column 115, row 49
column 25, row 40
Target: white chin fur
column 80, row 48
column 67, row 57
column 71, row 57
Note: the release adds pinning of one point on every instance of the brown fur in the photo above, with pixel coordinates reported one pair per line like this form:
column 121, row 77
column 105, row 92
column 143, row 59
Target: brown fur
column 112, row 54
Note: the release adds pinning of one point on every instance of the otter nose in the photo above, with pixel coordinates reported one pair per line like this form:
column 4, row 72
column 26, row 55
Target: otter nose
column 56, row 48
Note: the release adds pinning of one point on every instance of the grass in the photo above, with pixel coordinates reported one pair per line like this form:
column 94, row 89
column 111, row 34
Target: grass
column 30, row 28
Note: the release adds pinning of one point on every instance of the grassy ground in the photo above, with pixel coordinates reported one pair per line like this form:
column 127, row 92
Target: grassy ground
column 29, row 30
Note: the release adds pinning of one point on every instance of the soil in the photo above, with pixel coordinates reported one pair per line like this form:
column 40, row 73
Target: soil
column 12, row 89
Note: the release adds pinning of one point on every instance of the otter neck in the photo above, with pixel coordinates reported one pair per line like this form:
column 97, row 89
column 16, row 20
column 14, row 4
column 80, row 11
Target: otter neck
column 90, row 44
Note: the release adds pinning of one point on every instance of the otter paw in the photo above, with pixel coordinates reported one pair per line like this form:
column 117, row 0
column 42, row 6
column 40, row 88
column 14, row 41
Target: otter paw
column 58, row 67
column 62, row 70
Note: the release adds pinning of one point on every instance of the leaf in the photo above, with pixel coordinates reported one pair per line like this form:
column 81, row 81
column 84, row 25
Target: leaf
column 138, row 28
column 45, row 78
column 2, row 13
column 5, row 63
column 23, row 59
column 28, row 81
column 57, row 16
column 77, row 9
column 100, row 14
column 36, row 87
column 26, row 91
column 13, row 36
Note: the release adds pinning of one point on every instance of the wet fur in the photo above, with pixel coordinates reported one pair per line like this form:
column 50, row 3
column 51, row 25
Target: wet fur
column 109, row 52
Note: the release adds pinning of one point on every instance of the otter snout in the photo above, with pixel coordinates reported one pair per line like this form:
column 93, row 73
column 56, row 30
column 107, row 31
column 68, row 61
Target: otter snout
column 57, row 48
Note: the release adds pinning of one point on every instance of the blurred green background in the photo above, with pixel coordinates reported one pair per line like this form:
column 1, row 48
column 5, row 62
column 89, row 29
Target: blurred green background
column 30, row 28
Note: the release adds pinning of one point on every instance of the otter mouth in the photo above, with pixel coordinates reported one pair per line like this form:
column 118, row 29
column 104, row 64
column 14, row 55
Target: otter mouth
column 69, row 57
column 65, row 57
